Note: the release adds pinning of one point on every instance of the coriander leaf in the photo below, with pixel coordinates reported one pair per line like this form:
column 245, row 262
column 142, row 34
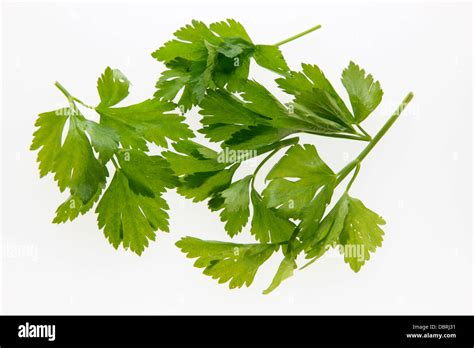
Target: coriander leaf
column 237, row 263
column 329, row 229
column 112, row 86
column 205, row 57
column 202, row 173
column 256, row 138
column 361, row 234
column 236, row 205
column 267, row 225
column 147, row 175
column 192, row 160
column 201, row 77
column 171, row 82
column 73, row 206
column 259, row 100
column 47, row 138
column 196, row 150
column 230, row 28
column 221, row 107
column 150, row 120
column 271, row 58
column 285, row 271
column 73, row 161
column 195, row 32
column 174, row 49
column 291, row 197
column 314, row 92
column 203, row 185
column 312, row 214
column 255, row 118
column 365, row 94
column 103, row 139
column 298, row 162
column 75, row 165
column 128, row 218
column 295, row 83
column 354, row 227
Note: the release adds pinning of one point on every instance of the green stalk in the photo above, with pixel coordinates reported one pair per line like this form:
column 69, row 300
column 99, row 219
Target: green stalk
column 356, row 172
column 64, row 91
column 294, row 37
column 350, row 166
column 70, row 98
column 284, row 143
column 356, row 163
column 359, row 137
column 364, row 132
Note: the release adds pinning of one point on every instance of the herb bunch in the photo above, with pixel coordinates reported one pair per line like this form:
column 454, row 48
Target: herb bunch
column 208, row 67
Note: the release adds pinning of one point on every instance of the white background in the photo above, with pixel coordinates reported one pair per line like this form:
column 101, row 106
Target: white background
column 418, row 177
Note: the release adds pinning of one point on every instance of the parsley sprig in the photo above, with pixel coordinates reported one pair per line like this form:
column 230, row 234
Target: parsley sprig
column 131, row 208
column 208, row 67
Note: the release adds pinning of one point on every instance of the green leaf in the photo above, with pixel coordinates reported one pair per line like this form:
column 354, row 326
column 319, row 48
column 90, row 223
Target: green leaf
column 73, row 161
column 47, row 138
column 285, row 271
column 259, row 100
column 361, row 234
column 271, row 58
column 230, row 28
column 150, row 120
column 197, row 31
column 205, row 57
column 329, row 228
column 237, row 263
column 314, row 92
column 171, row 82
column 75, row 165
column 352, row 226
column 175, row 49
column 202, row 173
column 314, row 211
column 201, row 59
column 73, row 206
column 202, row 76
column 365, row 94
column 103, row 139
column 291, row 197
column 128, row 218
column 147, row 175
column 221, row 107
column 267, row 225
column 236, row 205
column 112, row 86
column 254, row 118
column 195, row 158
column 203, row 185
column 256, row 138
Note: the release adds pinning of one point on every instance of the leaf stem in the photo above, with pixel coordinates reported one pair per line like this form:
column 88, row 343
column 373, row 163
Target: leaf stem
column 350, row 166
column 283, row 143
column 294, row 37
column 356, row 162
column 342, row 136
column 260, row 165
column 353, row 177
column 363, row 131
column 64, row 91
column 83, row 104
column 71, row 98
